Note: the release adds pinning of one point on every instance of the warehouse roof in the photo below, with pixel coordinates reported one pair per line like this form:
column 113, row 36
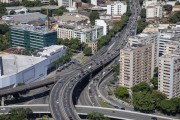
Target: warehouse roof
column 13, row 63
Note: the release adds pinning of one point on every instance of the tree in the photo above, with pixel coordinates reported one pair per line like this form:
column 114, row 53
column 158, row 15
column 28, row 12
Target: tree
column 3, row 28
column 157, row 97
column 44, row 117
column 87, row 51
column 143, row 101
column 175, row 17
column 143, row 13
column 93, row 16
column 12, row 12
column 141, row 87
column 154, row 81
column 52, row 2
column 167, row 8
column 176, row 100
column 20, row 114
column 168, row 106
column 177, row 3
column 96, row 116
column 121, row 92
column 60, row 11
column 141, row 25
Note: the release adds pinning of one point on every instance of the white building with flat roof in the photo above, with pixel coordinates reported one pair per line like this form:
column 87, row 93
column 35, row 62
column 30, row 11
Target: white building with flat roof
column 25, row 69
column 116, row 8
column 154, row 10
column 94, row 2
column 103, row 23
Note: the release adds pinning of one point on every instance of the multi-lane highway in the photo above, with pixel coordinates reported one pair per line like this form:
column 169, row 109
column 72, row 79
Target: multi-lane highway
column 84, row 110
column 61, row 98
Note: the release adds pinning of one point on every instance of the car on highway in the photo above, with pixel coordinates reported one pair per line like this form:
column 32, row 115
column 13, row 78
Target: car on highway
column 153, row 118
column 70, row 118
column 57, row 101
column 122, row 108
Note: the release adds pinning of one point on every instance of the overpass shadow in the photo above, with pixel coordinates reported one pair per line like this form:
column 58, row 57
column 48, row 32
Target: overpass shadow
column 22, row 99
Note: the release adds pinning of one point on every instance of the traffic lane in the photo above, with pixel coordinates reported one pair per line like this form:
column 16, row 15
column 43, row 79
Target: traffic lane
column 103, row 92
column 35, row 108
column 120, row 113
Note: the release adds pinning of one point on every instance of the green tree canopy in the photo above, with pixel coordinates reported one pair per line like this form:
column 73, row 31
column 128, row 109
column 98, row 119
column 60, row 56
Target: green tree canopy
column 3, row 28
column 143, row 101
column 93, row 16
column 60, row 11
column 121, row 92
column 154, row 81
column 87, row 51
column 20, row 114
column 143, row 13
column 96, row 116
column 141, row 87
column 167, row 8
column 168, row 106
column 177, row 3
column 174, row 18
column 157, row 97
column 141, row 25
column 176, row 100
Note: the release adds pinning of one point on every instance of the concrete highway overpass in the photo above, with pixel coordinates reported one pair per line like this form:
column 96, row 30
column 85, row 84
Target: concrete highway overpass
column 84, row 110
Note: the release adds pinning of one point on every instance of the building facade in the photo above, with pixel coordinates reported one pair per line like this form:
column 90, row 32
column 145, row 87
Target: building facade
column 147, row 38
column 66, row 3
column 169, row 74
column 83, row 33
column 32, row 37
column 26, row 69
column 103, row 23
column 93, row 46
column 172, row 46
column 136, row 64
column 116, row 8
column 154, row 10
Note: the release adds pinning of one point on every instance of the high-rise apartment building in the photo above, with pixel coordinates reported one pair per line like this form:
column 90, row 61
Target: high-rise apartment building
column 167, row 35
column 116, row 8
column 169, row 74
column 147, row 38
column 154, row 10
column 28, row 36
column 136, row 64
column 172, row 46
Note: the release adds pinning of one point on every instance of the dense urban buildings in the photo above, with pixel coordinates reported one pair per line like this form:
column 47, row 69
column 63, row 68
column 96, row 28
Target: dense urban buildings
column 136, row 64
column 25, row 69
column 32, row 37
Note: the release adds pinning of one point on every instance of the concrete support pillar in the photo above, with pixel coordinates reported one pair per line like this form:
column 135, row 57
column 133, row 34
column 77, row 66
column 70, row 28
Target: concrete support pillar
column 2, row 101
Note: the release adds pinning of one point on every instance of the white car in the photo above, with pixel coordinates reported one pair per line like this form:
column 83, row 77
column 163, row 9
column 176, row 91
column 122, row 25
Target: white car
column 3, row 109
